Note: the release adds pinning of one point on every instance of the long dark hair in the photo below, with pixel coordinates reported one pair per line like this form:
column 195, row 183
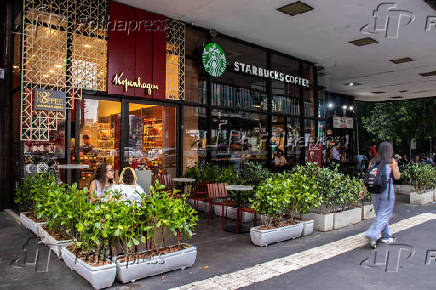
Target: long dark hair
column 100, row 174
column 384, row 153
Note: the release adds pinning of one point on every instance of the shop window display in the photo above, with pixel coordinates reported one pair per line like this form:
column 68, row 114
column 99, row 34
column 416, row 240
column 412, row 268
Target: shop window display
column 99, row 136
column 152, row 139
column 194, row 136
column 237, row 137
column 295, row 142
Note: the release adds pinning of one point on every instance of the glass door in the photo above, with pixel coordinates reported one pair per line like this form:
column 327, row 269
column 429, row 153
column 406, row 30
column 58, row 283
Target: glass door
column 152, row 139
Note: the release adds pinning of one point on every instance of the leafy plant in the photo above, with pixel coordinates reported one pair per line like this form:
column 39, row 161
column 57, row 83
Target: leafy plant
column 32, row 189
column 421, row 176
column 254, row 174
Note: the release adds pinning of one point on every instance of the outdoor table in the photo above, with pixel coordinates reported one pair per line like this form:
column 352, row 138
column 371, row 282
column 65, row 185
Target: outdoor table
column 73, row 166
column 184, row 181
column 233, row 227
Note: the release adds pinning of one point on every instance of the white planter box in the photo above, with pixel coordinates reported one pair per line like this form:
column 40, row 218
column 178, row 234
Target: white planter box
column 30, row 224
column 404, row 189
column 321, row 222
column 368, row 211
column 263, row 238
column 156, row 265
column 421, row 198
column 52, row 243
column 231, row 213
column 346, row 218
column 99, row 277
column 307, row 228
column 201, row 205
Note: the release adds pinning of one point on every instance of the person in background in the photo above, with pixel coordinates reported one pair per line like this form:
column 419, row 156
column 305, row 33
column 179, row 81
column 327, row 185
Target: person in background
column 128, row 187
column 372, row 151
column 359, row 159
column 429, row 160
column 383, row 202
column 336, row 157
column 103, row 181
column 280, row 161
column 86, row 147
column 405, row 160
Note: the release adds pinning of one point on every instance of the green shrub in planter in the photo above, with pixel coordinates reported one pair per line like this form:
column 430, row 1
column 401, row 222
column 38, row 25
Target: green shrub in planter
column 253, row 173
column 420, row 176
column 33, row 189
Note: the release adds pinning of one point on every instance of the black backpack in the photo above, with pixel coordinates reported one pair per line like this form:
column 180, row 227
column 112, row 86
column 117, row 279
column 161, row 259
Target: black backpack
column 375, row 178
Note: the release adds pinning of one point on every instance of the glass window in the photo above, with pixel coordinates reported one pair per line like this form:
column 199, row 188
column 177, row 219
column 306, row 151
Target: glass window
column 42, row 156
column 99, row 136
column 152, row 139
column 309, row 103
column 194, row 136
column 240, row 89
column 321, row 132
column 237, row 137
column 309, row 132
column 295, row 142
column 321, row 103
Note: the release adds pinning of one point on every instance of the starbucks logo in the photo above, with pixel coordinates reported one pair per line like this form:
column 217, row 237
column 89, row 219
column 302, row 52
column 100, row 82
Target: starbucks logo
column 214, row 59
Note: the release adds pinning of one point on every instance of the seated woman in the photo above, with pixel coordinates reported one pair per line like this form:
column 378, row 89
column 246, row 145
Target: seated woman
column 103, row 181
column 128, row 187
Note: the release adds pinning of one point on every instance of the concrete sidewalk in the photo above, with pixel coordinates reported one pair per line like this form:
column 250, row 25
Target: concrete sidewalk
column 220, row 251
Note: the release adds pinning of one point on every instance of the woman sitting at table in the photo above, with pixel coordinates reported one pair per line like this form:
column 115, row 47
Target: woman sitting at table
column 103, row 181
column 128, row 187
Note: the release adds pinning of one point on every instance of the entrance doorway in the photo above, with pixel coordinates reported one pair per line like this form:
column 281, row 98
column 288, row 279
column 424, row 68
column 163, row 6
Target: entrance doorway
column 152, row 139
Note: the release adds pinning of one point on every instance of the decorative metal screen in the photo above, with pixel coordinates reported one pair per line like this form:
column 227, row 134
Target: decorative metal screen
column 64, row 49
column 175, row 64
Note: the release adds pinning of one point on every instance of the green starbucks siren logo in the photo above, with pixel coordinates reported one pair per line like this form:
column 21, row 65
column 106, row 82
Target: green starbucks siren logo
column 214, row 59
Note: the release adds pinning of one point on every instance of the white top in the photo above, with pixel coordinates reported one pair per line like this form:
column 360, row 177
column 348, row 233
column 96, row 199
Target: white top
column 129, row 192
column 99, row 191
column 239, row 187
column 183, row 179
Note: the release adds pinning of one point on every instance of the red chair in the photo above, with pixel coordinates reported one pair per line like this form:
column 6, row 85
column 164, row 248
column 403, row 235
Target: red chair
column 239, row 212
column 200, row 193
column 219, row 191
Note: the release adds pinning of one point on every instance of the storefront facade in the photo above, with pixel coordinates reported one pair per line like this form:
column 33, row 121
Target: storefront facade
column 134, row 88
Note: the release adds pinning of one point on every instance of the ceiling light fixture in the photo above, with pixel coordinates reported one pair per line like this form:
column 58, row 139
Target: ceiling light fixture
column 352, row 84
column 295, row 8
column 364, row 41
column 15, row 66
column 403, row 91
column 402, row 60
column 330, row 105
column 428, row 74
column 344, row 107
column 378, row 92
column 351, row 108
column 396, row 97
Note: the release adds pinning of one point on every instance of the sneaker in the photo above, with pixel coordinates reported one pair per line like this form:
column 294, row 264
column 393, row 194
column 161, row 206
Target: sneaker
column 389, row 240
column 372, row 243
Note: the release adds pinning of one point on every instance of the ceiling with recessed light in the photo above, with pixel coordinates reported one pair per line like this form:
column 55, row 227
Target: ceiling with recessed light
column 323, row 36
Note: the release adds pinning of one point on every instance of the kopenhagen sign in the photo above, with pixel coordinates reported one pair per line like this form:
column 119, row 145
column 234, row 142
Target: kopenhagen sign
column 215, row 62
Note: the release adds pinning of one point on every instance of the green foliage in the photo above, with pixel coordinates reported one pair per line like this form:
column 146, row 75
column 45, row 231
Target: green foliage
column 32, row 189
column 254, row 174
column 421, row 176
column 398, row 122
column 286, row 195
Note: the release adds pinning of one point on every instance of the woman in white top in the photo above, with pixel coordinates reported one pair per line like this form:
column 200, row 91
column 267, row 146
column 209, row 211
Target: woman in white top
column 102, row 182
column 128, row 187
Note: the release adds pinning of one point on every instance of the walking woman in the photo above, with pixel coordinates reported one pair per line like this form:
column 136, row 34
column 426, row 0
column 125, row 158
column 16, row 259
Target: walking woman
column 383, row 202
column 103, row 181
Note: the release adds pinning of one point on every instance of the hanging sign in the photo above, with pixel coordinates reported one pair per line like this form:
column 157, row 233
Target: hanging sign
column 343, row 122
column 314, row 154
column 48, row 100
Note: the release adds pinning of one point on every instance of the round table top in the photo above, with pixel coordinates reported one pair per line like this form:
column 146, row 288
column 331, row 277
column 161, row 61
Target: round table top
column 239, row 187
column 73, row 166
column 183, row 179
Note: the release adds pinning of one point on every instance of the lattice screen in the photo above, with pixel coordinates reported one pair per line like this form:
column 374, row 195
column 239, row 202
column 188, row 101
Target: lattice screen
column 64, row 49
column 175, row 64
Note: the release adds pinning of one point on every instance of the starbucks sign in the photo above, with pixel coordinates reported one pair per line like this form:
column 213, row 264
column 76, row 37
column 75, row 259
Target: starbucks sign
column 214, row 59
